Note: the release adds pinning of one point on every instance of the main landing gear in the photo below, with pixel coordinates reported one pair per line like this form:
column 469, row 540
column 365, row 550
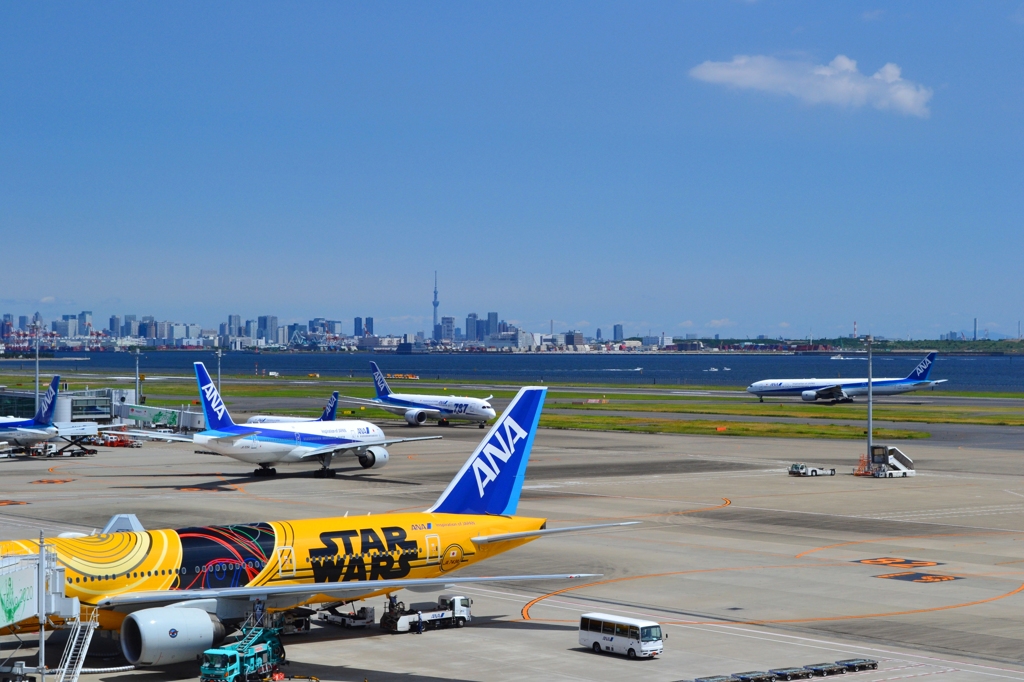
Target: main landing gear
column 443, row 422
column 324, row 473
column 325, row 470
column 483, row 425
column 264, row 470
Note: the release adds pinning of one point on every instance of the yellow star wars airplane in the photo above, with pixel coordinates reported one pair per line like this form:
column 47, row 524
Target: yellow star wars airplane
column 175, row 593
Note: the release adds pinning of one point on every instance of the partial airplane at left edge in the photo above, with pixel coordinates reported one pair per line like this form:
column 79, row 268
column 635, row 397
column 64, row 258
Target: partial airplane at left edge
column 27, row 432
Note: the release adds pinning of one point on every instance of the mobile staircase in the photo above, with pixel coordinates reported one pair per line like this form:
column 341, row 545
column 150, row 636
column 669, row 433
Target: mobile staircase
column 886, row 462
column 79, row 638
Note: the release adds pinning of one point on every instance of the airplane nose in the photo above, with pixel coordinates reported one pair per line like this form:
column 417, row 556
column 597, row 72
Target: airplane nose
column 750, row 388
column 491, row 414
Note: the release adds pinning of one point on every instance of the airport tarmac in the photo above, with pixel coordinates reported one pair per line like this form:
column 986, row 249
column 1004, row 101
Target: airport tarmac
column 746, row 567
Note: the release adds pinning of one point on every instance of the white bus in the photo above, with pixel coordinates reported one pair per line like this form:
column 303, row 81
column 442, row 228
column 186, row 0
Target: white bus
column 619, row 635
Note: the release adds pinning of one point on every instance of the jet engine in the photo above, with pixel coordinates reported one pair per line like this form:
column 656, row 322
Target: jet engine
column 415, row 417
column 374, row 458
column 168, row 634
column 809, row 396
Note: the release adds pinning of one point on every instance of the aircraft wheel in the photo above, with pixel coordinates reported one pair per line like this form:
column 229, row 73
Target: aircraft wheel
column 597, row 648
column 483, row 425
column 319, row 473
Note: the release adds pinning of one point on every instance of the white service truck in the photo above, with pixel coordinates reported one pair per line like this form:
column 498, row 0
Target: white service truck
column 451, row 610
column 801, row 469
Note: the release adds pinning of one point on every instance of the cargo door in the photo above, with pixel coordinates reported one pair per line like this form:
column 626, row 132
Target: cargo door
column 433, row 548
column 285, row 562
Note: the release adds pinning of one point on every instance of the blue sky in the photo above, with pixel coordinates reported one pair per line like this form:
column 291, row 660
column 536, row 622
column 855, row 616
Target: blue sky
column 703, row 167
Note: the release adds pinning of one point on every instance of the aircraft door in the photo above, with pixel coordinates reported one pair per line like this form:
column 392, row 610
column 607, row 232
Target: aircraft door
column 285, row 562
column 433, row 549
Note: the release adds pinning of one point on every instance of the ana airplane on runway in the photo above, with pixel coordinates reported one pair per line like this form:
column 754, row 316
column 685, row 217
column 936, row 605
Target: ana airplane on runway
column 175, row 593
column 330, row 410
column 286, row 442
column 843, row 390
column 417, row 408
column 27, row 432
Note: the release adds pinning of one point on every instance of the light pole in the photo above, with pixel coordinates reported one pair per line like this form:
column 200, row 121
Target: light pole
column 871, row 400
column 36, row 327
column 138, row 397
column 219, row 353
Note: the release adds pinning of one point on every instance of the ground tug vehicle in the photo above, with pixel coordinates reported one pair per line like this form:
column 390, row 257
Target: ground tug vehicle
column 451, row 610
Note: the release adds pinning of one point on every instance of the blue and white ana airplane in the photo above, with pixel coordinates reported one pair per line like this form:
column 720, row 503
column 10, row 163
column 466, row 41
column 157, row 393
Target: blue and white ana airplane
column 330, row 411
column 843, row 390
column 27, row 432
column 283, row 443
column 417, row 408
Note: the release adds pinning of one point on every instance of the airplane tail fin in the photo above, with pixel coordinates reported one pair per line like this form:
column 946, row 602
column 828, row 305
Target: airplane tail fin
column 924, row 369
column 492, row 478
column 48, row 403
column 383, row 390
column 214, row 409
column 330, row 409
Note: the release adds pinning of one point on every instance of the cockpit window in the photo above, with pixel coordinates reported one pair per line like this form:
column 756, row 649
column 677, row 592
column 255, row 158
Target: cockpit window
column 486, row 406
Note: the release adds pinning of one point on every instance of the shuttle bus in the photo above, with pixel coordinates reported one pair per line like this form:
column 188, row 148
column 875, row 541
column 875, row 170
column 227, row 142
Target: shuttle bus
column 620, row 635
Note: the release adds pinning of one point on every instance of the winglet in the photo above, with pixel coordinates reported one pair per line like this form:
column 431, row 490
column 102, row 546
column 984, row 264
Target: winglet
column 383, row 390
column 924, row 369
column 331, row 409
column 491, row 480
column 214, row 409
column 48, row 403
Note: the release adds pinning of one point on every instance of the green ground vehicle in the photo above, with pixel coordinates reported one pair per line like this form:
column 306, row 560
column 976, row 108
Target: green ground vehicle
column 256, row 656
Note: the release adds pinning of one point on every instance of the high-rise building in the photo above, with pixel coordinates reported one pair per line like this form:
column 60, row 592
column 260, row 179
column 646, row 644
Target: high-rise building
column 471, row 321
column 251, row 327
column 234, row 325
column 447, row 328
column 115, row 325
column 318, row 325
column 23, row 322
column 7, row 326
column 357, row 327
column 481, row 330
column 492, row 323
column 617, row 334
column 85, row 322
column 334, row 327
column 369, row 326
column 267, row 328
column 435, row 299
column 598, row 336
column 130, row 326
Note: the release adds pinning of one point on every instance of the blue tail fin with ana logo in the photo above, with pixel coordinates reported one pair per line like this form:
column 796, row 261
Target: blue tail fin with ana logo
column 383, row 391
column 330, row 409
column 492, row 478
column 214, row 410
column 47, row 404
column 924, row 369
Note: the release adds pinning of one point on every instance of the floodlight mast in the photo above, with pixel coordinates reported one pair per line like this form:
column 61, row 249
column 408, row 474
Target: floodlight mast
column 871, row 399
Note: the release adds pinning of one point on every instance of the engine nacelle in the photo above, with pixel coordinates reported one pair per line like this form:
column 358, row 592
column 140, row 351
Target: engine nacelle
column 809, row 396
column 167, row 635
column 374, row 458
column 415, row 417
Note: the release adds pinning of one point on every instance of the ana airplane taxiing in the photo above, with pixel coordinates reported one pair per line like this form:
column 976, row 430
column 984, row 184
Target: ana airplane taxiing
column 843, row 390
column 418, row 408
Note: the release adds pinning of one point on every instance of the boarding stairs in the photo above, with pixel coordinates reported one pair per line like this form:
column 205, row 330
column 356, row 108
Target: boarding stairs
column 79, row 638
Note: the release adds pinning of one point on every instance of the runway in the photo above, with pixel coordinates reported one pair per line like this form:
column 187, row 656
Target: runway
column 746, row 567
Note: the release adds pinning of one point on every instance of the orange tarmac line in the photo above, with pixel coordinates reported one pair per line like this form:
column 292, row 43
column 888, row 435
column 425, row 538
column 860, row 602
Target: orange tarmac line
column 904, row 537
column 526, row 609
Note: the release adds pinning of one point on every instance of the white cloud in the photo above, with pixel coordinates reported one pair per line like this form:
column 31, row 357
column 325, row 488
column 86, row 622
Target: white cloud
column 839, row 83
column 873, row 15
column 784, row 324
column 47, row 299
column 717, row 324
column 685, row 323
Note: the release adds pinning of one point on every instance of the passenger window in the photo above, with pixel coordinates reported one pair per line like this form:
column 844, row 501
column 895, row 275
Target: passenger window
column 621, row 630
column 634, row 633
column 584, row 623
column 608, row 629
column 595, row 625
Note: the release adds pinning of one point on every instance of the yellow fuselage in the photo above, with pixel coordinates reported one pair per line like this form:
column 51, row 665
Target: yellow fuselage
column 328, row 550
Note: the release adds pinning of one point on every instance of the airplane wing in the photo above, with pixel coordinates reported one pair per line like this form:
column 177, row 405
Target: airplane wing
column 506, row 537
column 33, row 432
column 332, row 449
column 831, row 393
column 158, row 436
column 298, row 593
column 396, row 409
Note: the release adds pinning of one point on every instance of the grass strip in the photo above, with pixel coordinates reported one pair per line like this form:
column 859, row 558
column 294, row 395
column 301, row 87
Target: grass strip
column 716, row 428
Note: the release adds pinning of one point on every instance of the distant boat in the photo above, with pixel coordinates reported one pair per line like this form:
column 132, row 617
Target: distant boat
column 713, row 369
column 840, row 357
column 726, row 369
